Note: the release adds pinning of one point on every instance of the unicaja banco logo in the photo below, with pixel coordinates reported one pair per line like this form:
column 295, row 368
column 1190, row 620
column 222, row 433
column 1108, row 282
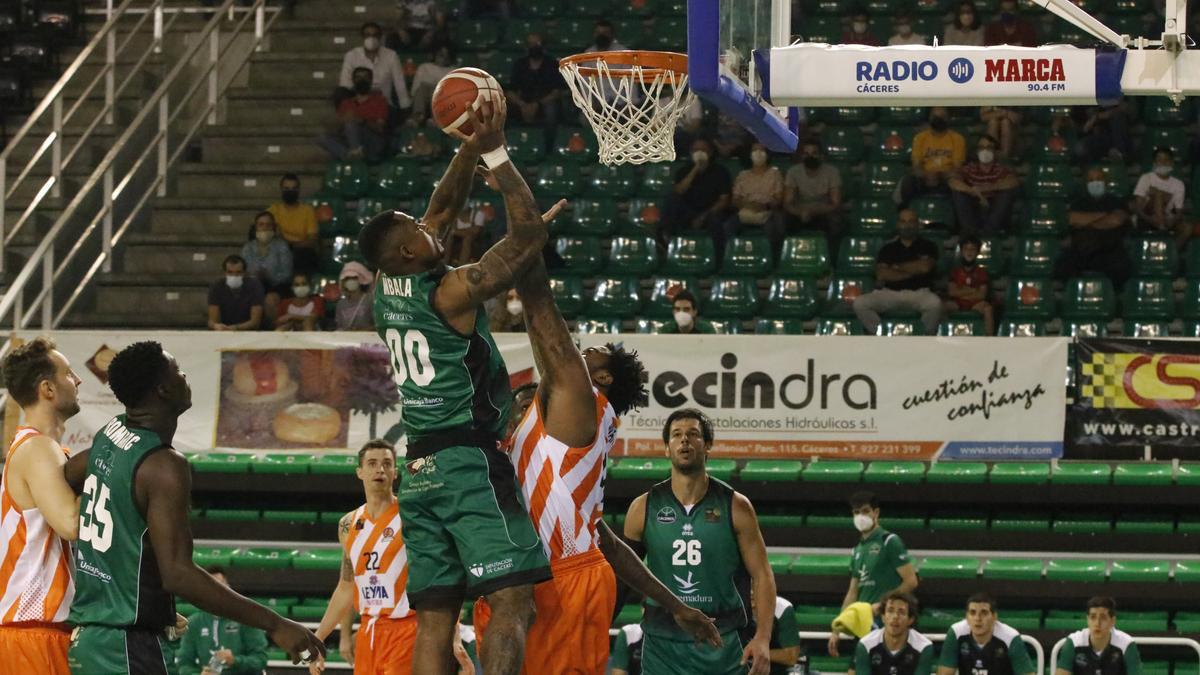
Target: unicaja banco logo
column 961, row 70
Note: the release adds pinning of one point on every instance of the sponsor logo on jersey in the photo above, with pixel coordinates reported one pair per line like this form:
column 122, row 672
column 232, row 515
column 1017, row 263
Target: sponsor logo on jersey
column 477, row 570
column 388, row 534
column 373, row 580
column 876, row 659
column 1000, row 652
column 712, row 515
column 665, row 516
column 874, row 549
column 419, row 466
column 375, row 593
column 687, row 586
column 687, row 529
column 402, row 287
column 965, row 649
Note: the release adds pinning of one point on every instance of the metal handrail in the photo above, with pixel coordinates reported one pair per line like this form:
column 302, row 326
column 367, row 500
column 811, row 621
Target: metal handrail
column 1152, row 641
column 941, row 637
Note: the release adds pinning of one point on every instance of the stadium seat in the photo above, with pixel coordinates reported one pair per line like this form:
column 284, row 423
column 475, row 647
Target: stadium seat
column 690, row 255
column 1050, row 181
column 526, row 145
column 301, row 517
column 518, row 30
column 1020, row 523
column 894, row 472
column 727, row 326
column 1079, row 525
column 597, row 326
column 1148, row 299
column 1052, row 148
column 1144, row 622
column 615, row 297
column 667, row 34
column 1022, row 328
column 747, row 255
column 581, row 255
column 409, row 139
column 594, row 217
column 657, row 178
column 636, row 256
column 1089, row 297
column 232, row 515
column 833, row 471
column 723, row 469
column 568, row 294
column 348, row 180
column 210, row 556
column 847, row 116
column 843, row 144
column 805, row 255
column 732, row 298
column 957, row 472
column 772, row 470
column 559, row 180
column 789, row 298
column 950, row 568
column 780, row 562
column 955, row 521
column 327, row 464
column 1081, row 473
column 1029, row 298
column 332, row 218
column 898, row 325
column 1043, row 218
column 644, row 216
column 933, row 211
column 1085, row 328
column 834, row 325
column 282, row 463
column 881, row 179
column 1088, row 571
column 1145, row 329
column 574, row 144
column 641, row 468
column 1145, row 524
column 872, row 217
column 1063, row 620
column 961, row 324
column 476, row 34
column 1187, row 572
column 857, row 256
column 612, row 182
column 398, row 179
column 370, row 205
column 822, row 28
column 911, row 116
column 1157, row 473
column 892, row 144
column 991, row 256
column 1020, row 473
column 1171, row 137
column 545, row 9
column 764, row 326
column 223, row 462
column 839, row 297
column 1013, row 569
column 663, row 289
column 318, row 559
column 820, row 565
column 262, row 558
column 1153, row 256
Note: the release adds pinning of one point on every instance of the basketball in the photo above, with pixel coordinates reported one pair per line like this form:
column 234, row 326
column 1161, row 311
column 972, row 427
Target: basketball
column 460, row 91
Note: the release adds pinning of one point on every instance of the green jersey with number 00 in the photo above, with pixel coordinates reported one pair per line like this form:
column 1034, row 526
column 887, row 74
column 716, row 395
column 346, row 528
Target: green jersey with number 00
column 117, row 582
column 446, row 380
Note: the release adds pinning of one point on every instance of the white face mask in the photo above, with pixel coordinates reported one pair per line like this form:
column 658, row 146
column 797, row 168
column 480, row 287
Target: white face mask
column 860, row 27
column 863, row 522
column 699, row 156
column 371, row 43
column 1095, row 188
column 515, row 307
column 1162, row 170
column 233, row 281
column 683, row 319
column 758, row 157
column 351, row 285
column 264, row 236
column 986, row 156
column 301, row 291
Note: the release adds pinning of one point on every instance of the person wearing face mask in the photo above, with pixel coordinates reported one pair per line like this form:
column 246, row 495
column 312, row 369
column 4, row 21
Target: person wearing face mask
column 687, row 317
column 507, row 314
column 269, row 260
column 421, row 24
column 1009, row 28
column 965, row 30
column 361, row 129
column 236, row 301
column 758, row 198
column 353, row 309
column 296, row 224
column 387, row 72
column 604, row 38
column 1004, row 125
column 535, row 87
column 903, row 32
column 812, row 191
column 859, row 30
column 937, row 152
column 904, row 277
column 984, row 191
column 303, row 310
column 700, row 197
column 1158, row 198
column 1098, row 220
column 879, row 563
column 969, row 285
column 426, row 79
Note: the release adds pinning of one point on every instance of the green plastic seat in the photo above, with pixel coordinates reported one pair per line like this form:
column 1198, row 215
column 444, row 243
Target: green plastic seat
column 765, row 326
column 902, row 522
column 804, row 255
column 262, row 558
column 476, row 34
column 232, row 515
column 639, row 468
column 597, row 326
column 657, row 178
column 780, row 520
column 371, row 205
column 1053, row 148
column 1187, row 572
column 304, row 612
column 612, row 182
column 348, row 180
column 839, row 297
column 636, row 256
column 593, row 217
column 1154, row 256
column 333, row 219
column 872, row 217
column 1145, row 524
column 791, row 298
column 1024, row 620
column 399, row 179
column 821, row 565
column 1022, row 328
column 732, row 298
column 957, row 472
column 1050, row 181
column 1081, row 473
column 1020, row 523
column 318, row 559
column 857, row 256
column 844, row 144
column 306, row 517
column 1090, row 297
column 881, row 179
column 542, row 8
column 333, row 464
column 724, row 469
column 1169, row 137
column 1150, row 667
column 1020, row 473
column 1082, row 526
column 223, row 462
column 747, row 256
column 839, row 325
column 1187, row 622
column 1162, row 112
column 958, row 522
column 772, row 470
column 568, row 294
column 833, row 471
column 1029, row 298
column 780, row 563
column 561, row 180
column 816, row 616
column 1015, row 569
column 1148, row 299
column 1064, row 620
column 517, row 31
column 933, row 210
column 210, row 556
column 663, row 289
column 1043, row 218
column 894, row 472
column 575, row 144
column 1084, row 328
column 690, row 255
column 1188, row 474
column 892, row 143
column 580, row 254
column 282, row 463
column 1141, row 571
column 1089, row 571
column 950, row 568
column 615, row 297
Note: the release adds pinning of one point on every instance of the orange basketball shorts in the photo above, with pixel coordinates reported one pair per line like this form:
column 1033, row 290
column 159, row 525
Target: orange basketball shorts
column 574, row 610
column 38, row 648
column 385, row 648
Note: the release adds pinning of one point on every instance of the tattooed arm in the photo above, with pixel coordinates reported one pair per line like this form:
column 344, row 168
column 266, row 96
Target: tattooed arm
column 453, row 189
column 342, row 600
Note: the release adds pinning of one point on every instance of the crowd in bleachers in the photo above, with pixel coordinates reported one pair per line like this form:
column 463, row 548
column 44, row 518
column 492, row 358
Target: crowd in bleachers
column 33, row 34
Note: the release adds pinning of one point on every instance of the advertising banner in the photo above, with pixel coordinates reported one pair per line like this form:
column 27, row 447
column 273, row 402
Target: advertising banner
column 1134, row 393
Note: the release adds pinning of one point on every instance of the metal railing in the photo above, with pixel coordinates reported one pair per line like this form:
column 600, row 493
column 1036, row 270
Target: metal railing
column 137, row 163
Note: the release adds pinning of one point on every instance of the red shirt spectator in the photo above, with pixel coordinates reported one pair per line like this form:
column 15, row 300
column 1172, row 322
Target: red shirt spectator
column 372, row 108
column 1009, row 28
column 859, row 32
column 978, row 173
column 974, row 277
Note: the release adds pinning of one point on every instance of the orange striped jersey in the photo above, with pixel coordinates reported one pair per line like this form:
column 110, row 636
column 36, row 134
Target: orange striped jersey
column 563, row 487
column 35, row 563
column 376, row 549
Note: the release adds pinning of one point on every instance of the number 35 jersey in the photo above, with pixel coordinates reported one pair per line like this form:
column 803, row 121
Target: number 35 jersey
column 447, row 380
column 117, row 582
column 376, row 550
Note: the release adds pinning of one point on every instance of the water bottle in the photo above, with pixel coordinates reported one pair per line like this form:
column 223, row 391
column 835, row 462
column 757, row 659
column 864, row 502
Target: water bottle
column 801, row 667
column 215, row 664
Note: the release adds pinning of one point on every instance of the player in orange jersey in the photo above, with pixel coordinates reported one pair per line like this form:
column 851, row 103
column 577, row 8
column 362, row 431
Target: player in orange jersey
column 39, row 514
column 374, row 572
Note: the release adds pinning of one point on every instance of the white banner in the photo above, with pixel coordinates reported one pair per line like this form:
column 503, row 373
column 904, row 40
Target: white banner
column 917, row 75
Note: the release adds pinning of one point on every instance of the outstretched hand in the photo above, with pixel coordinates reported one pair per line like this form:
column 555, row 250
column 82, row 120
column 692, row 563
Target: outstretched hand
column 487, row 121
column 698, row 625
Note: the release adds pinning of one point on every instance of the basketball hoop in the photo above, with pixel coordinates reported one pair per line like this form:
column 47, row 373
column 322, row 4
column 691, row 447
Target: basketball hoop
column 633, row 99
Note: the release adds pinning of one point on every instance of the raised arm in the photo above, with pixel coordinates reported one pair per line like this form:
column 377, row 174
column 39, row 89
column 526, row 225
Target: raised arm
column 39, row 462
column 454, row 188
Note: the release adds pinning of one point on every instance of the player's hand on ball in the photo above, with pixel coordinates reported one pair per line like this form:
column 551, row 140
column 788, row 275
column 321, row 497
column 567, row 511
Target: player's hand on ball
column 698, row 625
column 298, row 641
column 488, row 123
column 758, row 654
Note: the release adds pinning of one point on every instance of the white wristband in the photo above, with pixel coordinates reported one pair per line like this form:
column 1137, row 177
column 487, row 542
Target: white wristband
column 496, row 158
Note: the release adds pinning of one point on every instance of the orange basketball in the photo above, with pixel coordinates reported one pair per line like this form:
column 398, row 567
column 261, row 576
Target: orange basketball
column 324, row 214
column 460, row 91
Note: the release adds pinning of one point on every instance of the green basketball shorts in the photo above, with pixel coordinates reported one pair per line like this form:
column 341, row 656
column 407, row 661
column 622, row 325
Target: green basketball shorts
column 466, row 527
column 104, row 650
column 661, row 656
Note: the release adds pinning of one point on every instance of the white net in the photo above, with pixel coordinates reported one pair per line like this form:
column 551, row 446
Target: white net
column 632, row 109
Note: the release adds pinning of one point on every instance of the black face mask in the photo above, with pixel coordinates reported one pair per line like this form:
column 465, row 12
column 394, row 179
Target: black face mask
column 938, row 124
column 604, row 40
column 362, row 87
column 812, row 162
column 291, row 196
column 536, row 51
column 969, row 265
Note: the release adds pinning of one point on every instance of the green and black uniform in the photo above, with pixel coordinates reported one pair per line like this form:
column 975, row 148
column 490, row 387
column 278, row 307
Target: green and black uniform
column 465, row 523
column 1004, row 654
column 1120, row 657
column 627, row 650
column 700, row 327
column 872, row 656
column 695, row 553
column 207, row 634
column 874, row 563
column 785, row 633
column 120, row 607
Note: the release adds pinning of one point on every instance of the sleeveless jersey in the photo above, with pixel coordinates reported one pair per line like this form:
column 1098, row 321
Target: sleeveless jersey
column 380, row 560
column 1118, row 658
column 1004, row 653
column 117, row 578
column 872, row 656
column 35, row 563
column 564, row 487
column 695, row 553
column 446, row 380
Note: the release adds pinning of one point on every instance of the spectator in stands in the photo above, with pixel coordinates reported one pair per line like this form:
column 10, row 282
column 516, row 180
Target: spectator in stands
column 964, row 30
column 1010, row 28
column 859, row 31
column 1104, row 133
column 1158, row 198
column 937, row 152
column 758, row 199
column 969, row 284
column 240, row 649
column 1098, row 221
column 896, row 648
column 604, row 38
column 303, row 310
column 297, row 224
column 269, row 260
column 426, row 80
column 813, row 190
column 984, row 191
column 464, row 233
column 699, row 199
column 421, row 24
column 879, row 564
column 686, row 313
column 1003, row 124
column 980, row 643
column 535, row 87
column 387, row 73
column 902, row 32
column 904, row 276
column 361, row 129
column 508, row 316
column 1100, row 648
column 354, row 308
column 235, row 302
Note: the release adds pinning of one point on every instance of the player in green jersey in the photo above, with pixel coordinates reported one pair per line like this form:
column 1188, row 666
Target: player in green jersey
column 465, row 523
column 134, row 551
column 983, row 645
column 1099, row 649
column 896, row 648
column 702, row 539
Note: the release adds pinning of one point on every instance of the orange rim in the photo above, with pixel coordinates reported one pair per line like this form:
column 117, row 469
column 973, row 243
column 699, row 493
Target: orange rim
column 646, row 62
